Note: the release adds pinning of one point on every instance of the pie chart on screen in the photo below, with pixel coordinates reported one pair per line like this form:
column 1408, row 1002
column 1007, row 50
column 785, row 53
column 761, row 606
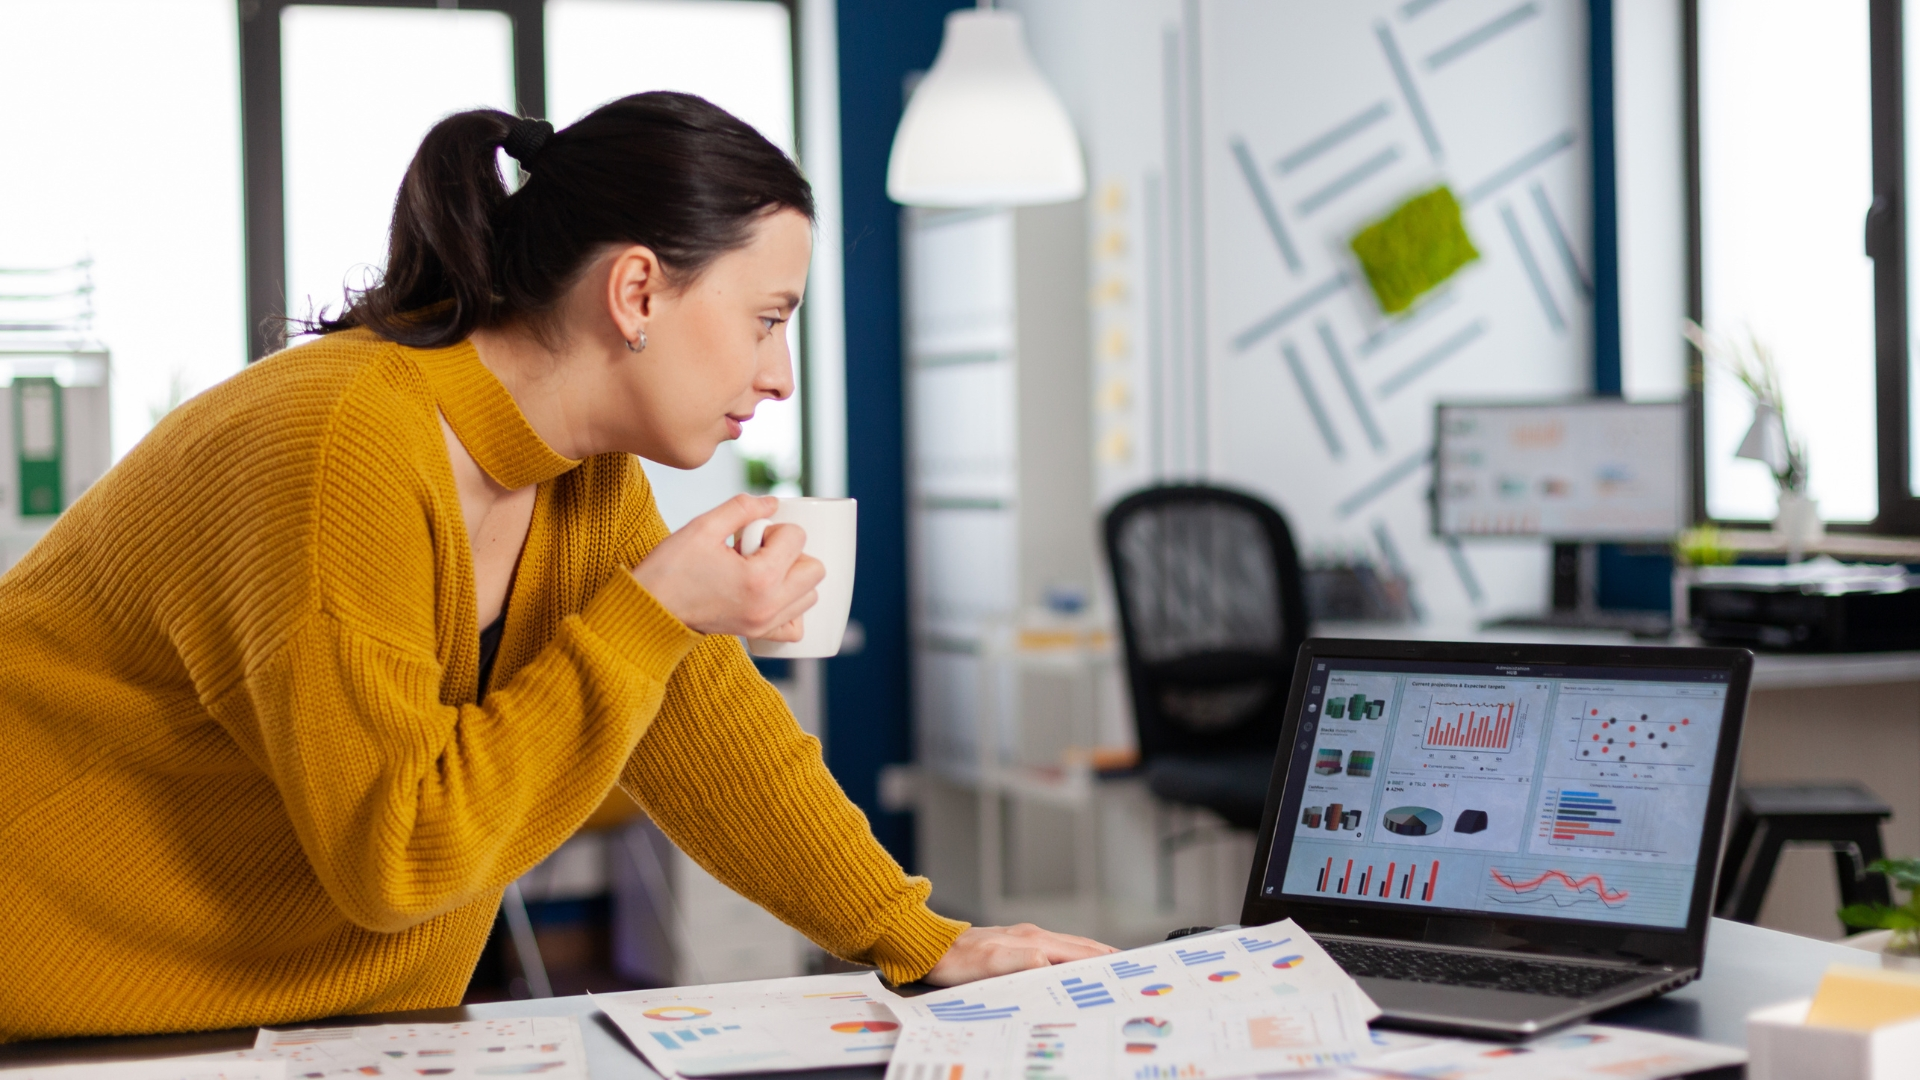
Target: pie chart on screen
column 1156, row 990
column 865, row 1027
column 1286, row 962
column 1223, row 976
column 675, row 1013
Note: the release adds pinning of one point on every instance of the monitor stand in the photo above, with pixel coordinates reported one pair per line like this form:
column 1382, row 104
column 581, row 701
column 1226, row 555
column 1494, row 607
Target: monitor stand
column 1576, row 605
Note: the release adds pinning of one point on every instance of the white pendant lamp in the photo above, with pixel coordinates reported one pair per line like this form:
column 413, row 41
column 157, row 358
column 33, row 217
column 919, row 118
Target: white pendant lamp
column 984, row 128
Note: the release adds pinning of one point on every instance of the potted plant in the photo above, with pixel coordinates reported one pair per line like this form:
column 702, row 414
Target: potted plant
column 1899, row 926
column 1769, row 440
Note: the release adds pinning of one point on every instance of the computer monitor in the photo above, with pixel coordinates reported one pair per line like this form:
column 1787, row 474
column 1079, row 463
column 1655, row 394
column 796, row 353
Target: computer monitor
column 1591, row 470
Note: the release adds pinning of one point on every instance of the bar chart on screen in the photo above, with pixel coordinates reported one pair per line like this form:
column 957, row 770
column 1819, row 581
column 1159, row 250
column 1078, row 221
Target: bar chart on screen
column 1476, row 728
column 1411, row 880
column 1470, row 725
column 1659, row 823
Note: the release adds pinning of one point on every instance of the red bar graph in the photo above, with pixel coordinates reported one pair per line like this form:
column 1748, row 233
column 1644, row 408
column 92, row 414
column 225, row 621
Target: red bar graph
column 1346, row 877
column 1433, row 878
column 1457, row 726
column 1325, row 873
column 1388, row 883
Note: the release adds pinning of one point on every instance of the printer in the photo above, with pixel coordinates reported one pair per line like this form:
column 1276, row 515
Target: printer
column 1820, row 605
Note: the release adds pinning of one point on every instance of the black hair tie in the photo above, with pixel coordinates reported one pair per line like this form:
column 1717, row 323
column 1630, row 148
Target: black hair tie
column 524, row 140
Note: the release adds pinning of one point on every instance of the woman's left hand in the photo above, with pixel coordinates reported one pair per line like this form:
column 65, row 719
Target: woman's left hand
column 981, row 952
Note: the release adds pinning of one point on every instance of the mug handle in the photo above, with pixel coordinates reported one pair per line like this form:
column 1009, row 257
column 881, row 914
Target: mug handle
column 748, row 539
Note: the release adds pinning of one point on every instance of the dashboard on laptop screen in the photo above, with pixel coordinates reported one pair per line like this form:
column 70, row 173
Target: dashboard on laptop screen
column 1570, row 793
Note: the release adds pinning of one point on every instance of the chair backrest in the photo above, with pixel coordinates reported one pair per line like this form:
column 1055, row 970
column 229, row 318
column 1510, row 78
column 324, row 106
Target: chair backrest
column 1212, row 613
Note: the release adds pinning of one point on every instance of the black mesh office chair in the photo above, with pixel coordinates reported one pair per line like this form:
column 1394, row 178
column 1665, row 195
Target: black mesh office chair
column 1212, row 612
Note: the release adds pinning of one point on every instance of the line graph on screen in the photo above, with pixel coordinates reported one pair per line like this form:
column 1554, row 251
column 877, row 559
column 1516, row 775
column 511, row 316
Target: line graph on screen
column 1613, row 894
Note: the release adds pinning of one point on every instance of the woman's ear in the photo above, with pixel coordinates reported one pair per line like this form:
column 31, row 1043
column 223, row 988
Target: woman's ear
column 634, row 279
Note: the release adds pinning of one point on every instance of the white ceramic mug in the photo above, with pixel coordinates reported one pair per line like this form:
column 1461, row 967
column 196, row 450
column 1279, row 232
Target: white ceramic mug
column 830, row 528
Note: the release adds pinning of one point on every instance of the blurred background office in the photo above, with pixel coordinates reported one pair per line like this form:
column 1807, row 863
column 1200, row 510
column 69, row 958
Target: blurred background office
column 997, row 377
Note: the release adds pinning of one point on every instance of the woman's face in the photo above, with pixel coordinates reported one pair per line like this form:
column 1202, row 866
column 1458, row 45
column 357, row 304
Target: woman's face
column 716, row 348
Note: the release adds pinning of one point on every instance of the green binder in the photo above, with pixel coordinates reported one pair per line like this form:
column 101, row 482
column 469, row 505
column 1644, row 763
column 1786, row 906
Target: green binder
column 38, row 435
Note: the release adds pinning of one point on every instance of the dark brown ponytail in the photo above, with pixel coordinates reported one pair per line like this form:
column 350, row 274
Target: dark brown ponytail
column 670, row 171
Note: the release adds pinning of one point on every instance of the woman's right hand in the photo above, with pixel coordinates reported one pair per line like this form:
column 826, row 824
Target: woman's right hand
column 714, row 589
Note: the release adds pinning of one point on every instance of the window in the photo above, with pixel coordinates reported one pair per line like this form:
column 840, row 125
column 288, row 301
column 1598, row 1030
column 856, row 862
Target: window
column 373, row 76
column 102, row 167
column 1798, row 134
column 737, row 54
column 359, row 87
column 1786, row 178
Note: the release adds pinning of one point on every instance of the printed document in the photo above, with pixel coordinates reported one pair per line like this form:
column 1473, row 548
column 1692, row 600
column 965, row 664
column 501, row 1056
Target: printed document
column 768, row 1025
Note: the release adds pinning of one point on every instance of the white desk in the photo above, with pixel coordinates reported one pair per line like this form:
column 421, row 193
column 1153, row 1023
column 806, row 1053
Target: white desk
column 1746, row 967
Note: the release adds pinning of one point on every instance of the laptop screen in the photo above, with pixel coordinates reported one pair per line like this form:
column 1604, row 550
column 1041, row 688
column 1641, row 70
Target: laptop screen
column 1569, row 793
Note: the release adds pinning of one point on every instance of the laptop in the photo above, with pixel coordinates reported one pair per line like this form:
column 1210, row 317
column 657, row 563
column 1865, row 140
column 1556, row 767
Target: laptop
column 1500, row 839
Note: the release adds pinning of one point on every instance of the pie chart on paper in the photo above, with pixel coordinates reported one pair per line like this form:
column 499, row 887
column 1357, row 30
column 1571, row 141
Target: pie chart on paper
column 1223, row 976
column 1156, row 990
column 865, row 1027
column 1286, row 962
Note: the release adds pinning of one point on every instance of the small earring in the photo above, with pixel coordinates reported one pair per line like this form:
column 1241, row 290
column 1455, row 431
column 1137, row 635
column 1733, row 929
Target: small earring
column 638, row 344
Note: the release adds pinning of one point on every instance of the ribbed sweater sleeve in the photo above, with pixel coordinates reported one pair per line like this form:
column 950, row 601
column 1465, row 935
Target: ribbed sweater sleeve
column 728, row 775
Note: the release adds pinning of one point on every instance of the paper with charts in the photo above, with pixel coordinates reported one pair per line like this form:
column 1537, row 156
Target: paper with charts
column 1230, row 1003
column 1587, row 1052
column 546, row 1046
column 194, row 1068
column 770, row 1025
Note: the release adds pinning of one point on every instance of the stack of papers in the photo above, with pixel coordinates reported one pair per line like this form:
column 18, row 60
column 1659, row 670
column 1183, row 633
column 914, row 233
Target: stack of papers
column 1221, row 1006
column 1227, row 1004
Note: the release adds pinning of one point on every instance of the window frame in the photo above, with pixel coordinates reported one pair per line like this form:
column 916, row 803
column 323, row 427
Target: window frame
column 1883, row 232
column 263, row 155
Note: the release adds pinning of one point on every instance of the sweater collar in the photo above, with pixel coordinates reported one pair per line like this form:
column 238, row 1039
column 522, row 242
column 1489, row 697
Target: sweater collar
column 486, row 420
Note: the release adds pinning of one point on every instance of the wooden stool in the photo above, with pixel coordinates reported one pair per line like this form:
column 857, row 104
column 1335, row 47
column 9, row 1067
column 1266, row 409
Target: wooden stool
column 1844, row 815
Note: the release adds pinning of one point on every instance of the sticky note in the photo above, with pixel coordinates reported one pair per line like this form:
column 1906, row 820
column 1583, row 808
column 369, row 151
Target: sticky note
column 1861, row 999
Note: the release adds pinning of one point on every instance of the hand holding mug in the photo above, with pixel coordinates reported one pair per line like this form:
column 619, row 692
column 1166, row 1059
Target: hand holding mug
column 830, row 529
column 715, row 589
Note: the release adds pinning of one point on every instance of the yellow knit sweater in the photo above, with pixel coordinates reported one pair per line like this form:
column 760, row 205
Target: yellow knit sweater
column 245, row 780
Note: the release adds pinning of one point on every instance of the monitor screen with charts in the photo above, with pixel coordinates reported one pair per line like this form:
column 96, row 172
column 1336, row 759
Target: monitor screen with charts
column 1555, row 792
column 1589, row 470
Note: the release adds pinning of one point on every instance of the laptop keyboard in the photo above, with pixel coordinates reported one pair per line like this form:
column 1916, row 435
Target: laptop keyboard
column 1476, row 970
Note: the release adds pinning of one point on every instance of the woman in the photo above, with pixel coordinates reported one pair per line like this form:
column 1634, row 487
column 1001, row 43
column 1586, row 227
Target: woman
column 354, row 639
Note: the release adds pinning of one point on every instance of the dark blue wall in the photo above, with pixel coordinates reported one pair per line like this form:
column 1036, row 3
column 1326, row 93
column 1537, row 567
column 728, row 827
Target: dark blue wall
column 868, row 702
column 1628, row 577
column 1606, row 232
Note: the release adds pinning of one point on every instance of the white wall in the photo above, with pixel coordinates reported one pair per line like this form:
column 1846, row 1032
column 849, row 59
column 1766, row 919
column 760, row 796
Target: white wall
column 1185, row 269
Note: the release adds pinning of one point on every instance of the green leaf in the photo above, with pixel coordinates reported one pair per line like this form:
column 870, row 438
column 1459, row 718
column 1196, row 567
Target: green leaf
column 1904, row 872
column 1901, row 919
column 1869, row 916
